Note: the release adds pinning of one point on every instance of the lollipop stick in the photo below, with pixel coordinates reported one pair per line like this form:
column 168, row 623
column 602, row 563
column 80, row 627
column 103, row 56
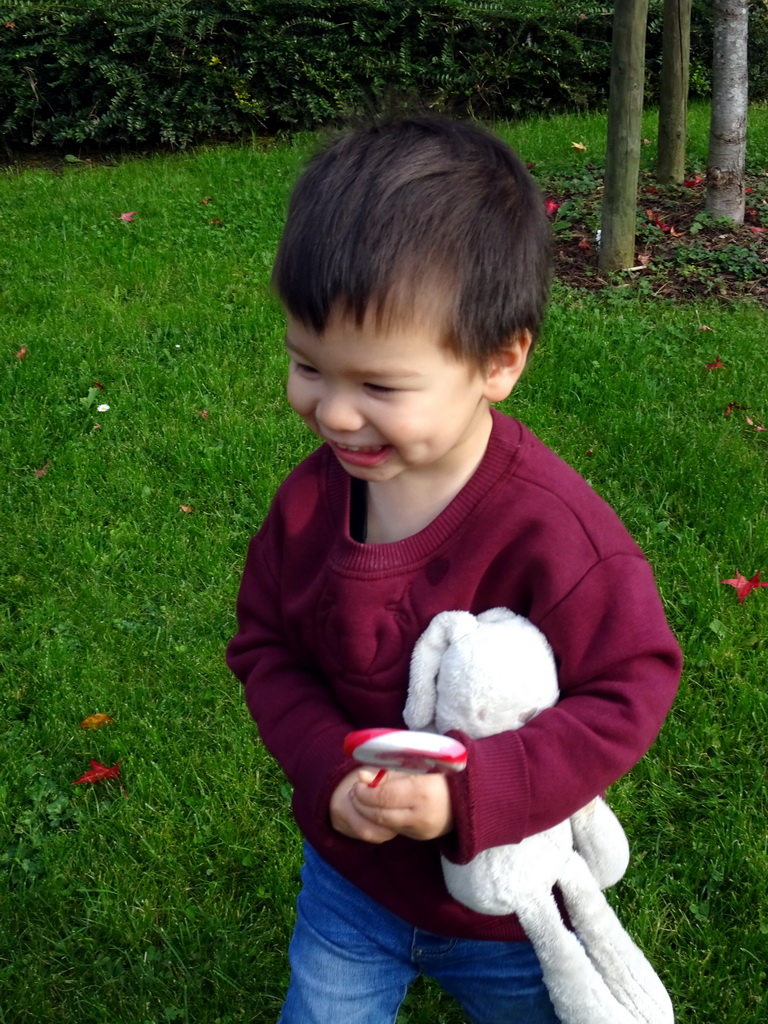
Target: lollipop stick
column 377, row 778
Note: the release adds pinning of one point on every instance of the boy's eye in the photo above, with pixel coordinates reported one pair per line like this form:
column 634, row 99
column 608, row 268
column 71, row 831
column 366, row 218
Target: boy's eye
column 380, row 389
column 305, row 368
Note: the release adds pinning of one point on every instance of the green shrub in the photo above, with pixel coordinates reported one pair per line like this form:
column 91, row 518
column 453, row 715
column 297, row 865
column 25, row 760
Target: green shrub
column 129, row 71
column 110, row 72
column 114, row 72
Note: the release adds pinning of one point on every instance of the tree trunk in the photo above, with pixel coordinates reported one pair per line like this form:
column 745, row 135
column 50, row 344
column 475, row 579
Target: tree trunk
column 625, row 123
column 728, row 124
column 673, row 103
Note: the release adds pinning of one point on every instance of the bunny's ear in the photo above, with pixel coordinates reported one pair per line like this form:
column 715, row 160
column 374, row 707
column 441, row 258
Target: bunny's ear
column 443, row 630
column 498, row 615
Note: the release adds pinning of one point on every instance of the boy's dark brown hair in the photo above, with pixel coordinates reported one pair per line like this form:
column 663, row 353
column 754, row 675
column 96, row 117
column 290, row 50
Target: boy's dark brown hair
column 414, row 211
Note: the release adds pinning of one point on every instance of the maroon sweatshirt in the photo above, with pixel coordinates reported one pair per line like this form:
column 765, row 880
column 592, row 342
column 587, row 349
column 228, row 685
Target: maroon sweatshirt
column 326, row 627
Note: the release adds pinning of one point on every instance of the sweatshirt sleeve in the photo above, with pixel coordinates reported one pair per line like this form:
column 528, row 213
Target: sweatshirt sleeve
column 618, row 667
column 299, row 720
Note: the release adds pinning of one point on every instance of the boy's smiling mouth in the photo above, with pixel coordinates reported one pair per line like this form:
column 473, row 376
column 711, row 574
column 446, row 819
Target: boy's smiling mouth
column 357, row 447
column 363, row 456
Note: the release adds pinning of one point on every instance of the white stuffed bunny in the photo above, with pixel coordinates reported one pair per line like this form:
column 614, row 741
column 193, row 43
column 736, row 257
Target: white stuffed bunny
column 488, row 674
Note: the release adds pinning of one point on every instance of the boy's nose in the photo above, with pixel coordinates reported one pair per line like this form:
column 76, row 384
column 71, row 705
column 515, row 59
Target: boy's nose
column 335, row 413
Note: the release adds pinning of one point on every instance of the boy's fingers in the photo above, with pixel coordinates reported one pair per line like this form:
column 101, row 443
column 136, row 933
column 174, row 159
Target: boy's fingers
column 347, row 818
column 360, row 826
column 414, row 805
column 390, row 793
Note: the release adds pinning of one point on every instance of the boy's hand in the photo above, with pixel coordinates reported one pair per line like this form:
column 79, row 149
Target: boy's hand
column 418, row 806
column 347, row 819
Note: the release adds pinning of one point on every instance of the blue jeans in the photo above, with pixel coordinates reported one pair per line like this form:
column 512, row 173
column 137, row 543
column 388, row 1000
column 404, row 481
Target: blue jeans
column 352, row 962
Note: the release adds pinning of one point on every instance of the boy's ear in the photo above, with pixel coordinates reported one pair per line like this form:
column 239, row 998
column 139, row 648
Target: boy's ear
column 506, row 368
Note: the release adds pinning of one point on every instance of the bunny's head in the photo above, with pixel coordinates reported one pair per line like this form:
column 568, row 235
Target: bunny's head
column 482, row 674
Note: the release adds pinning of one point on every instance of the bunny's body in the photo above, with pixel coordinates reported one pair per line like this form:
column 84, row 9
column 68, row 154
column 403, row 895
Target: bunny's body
column 491, row 673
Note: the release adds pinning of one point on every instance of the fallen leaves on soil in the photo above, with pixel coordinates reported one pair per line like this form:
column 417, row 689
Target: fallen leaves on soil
column 680, row 252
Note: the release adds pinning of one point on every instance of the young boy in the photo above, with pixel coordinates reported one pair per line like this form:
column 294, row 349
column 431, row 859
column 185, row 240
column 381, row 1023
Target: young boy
column 414, row 270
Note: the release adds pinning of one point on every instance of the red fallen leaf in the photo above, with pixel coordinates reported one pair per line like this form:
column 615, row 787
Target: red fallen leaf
column 731, row 407
column 128, row 216
column 531, row 165
column 22, row 353
column 215, row 222
column 655, row 219
column 186, row 508
column 552, row 207
column 744, row 587
column 717, row 365
column 96, row 721
column 204, row 202
column 755, row 427
column 694, row 182
column 585, row 245
column 99, row 772
column 651, row 190
column 676, row 234
column 96, row 384
column 756, row 231
column 204, row 413
column 748, row 191
column 41, row 472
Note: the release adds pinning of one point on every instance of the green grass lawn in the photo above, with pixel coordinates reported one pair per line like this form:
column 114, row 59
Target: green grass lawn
column 175, row 902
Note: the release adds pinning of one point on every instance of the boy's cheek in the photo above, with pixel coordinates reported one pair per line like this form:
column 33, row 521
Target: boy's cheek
column 291, row 390
column 297, row 397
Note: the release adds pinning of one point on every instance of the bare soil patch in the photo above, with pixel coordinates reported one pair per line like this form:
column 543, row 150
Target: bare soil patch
column 681, row 252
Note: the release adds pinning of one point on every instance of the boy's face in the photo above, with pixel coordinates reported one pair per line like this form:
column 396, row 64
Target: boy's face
column 393, row 402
